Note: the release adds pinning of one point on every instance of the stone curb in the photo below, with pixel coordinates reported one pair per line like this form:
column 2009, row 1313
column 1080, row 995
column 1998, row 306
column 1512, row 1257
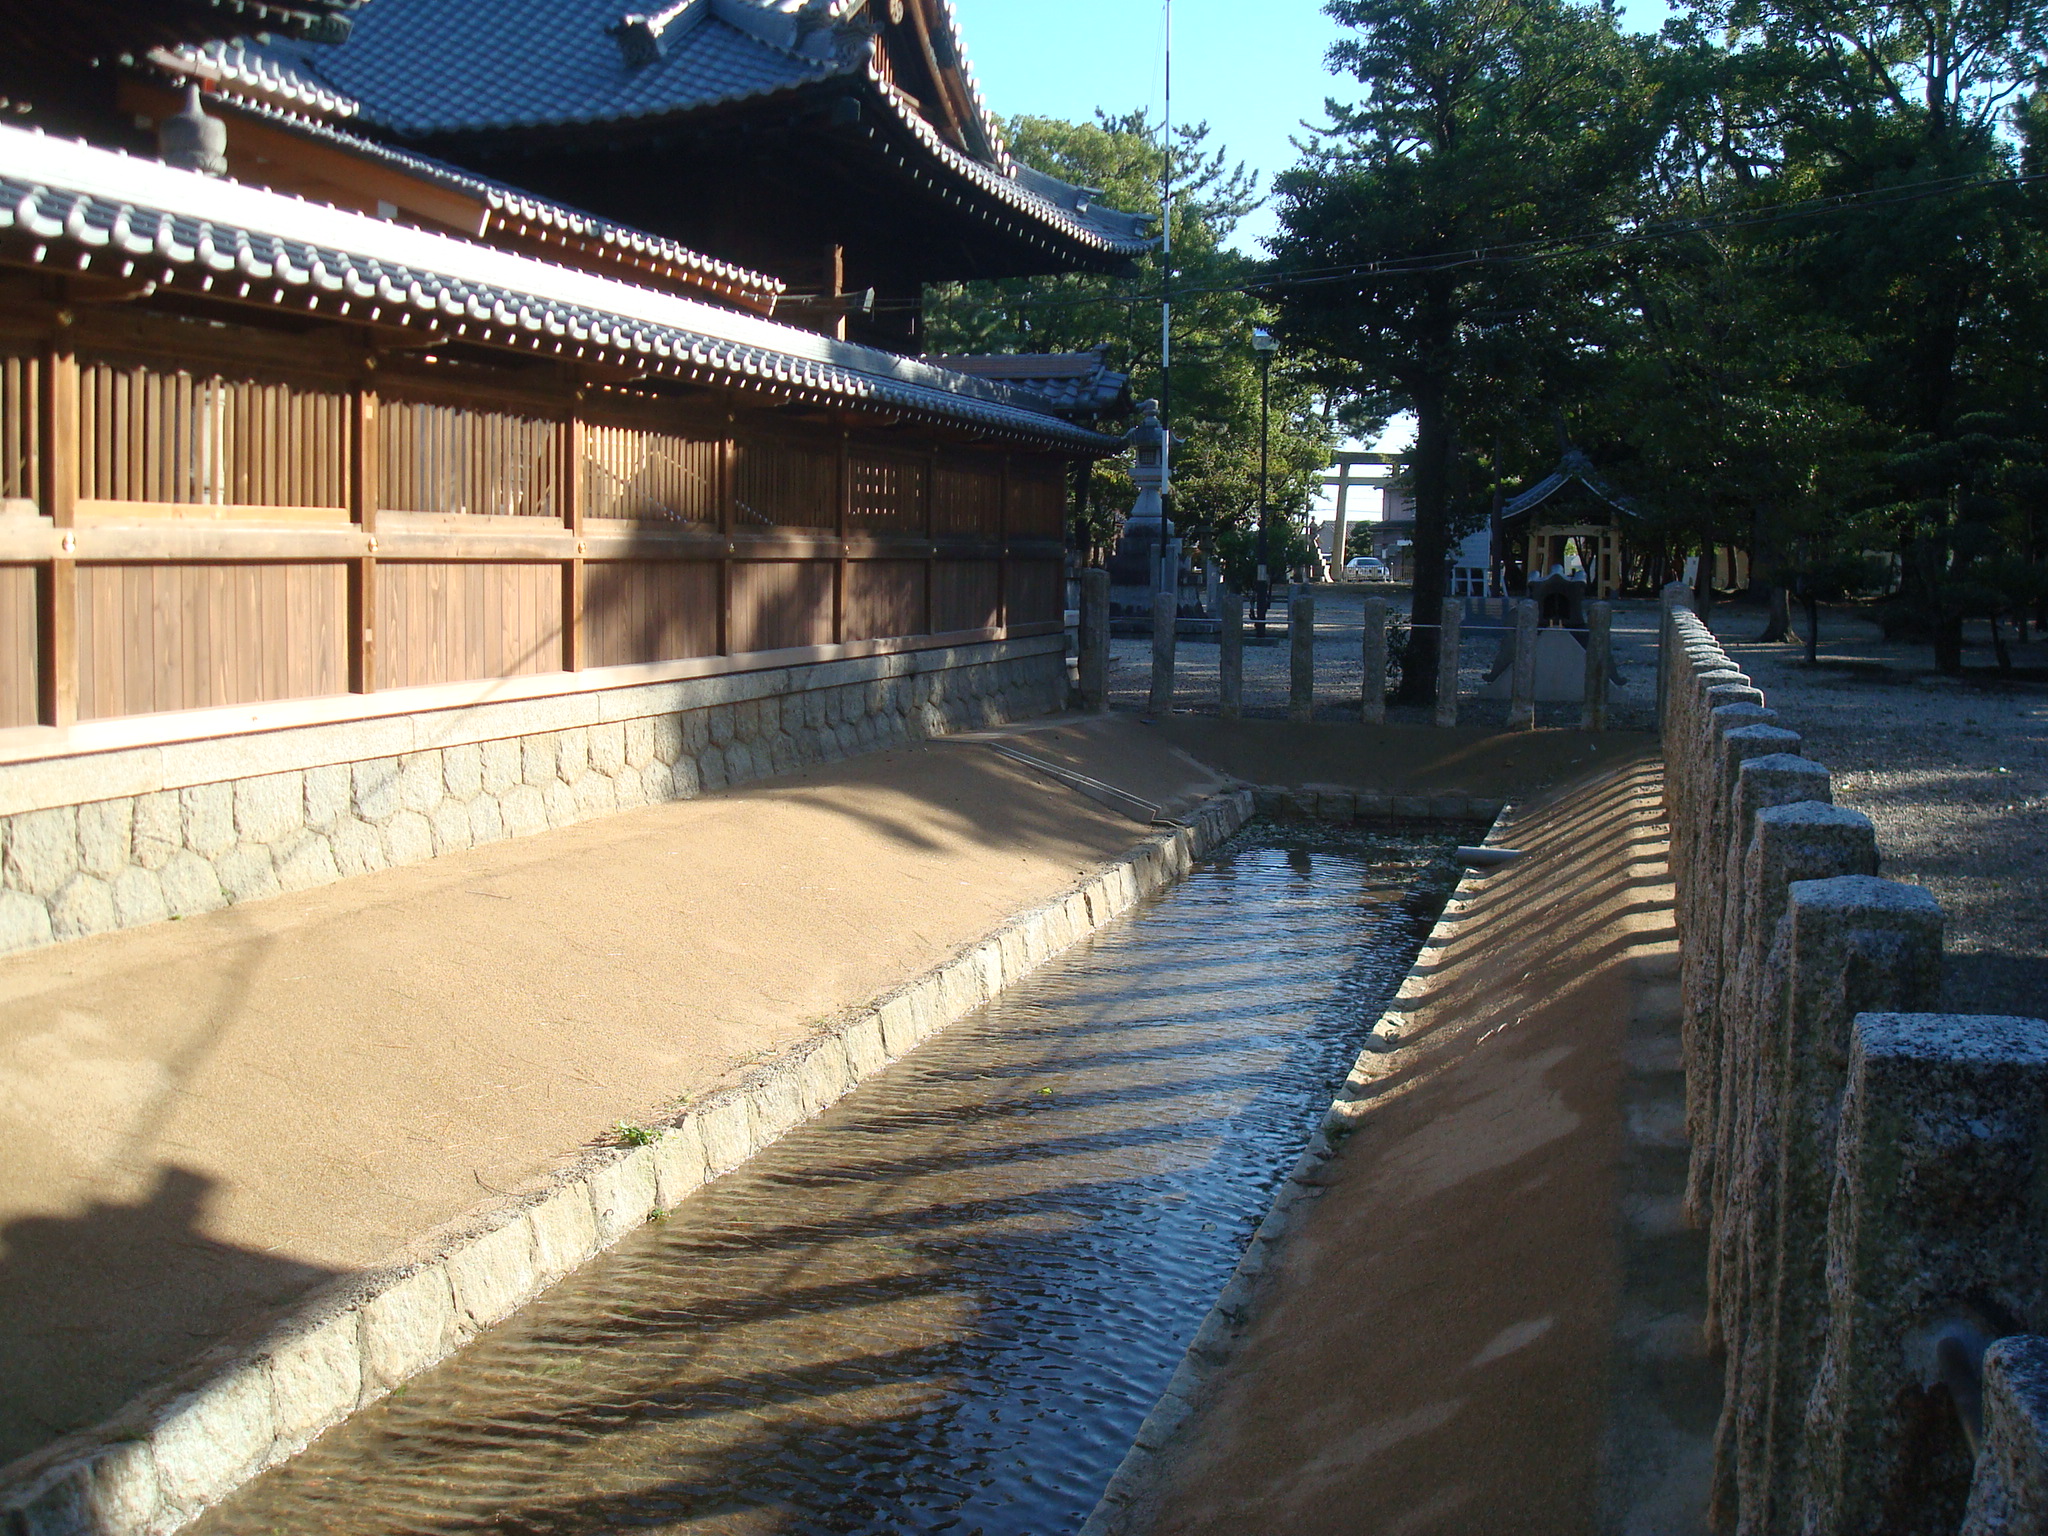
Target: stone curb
column 1215, row 1342
column 255, row 1401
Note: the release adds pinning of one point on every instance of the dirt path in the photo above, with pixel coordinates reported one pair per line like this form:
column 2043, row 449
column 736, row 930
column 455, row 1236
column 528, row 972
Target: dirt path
column 1487, row 1321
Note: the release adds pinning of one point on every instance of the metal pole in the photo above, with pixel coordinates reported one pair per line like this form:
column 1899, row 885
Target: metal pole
column 1262, row 589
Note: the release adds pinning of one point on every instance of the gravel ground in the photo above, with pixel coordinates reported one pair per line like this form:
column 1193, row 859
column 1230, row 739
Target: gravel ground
column 1953, row 772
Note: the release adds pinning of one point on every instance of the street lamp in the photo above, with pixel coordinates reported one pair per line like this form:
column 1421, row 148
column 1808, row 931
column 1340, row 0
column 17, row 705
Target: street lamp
column 1264, row 345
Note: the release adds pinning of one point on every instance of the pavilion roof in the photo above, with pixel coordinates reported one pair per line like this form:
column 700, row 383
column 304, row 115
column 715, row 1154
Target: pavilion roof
column 75, row 208
column 1573, row 467
column 443, row 69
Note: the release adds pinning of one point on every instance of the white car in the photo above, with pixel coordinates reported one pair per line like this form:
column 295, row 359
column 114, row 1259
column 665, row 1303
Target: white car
column 1366, row 568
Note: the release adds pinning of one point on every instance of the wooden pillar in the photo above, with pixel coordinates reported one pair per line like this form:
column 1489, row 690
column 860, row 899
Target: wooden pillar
column 728, row 490
column 572, row 569
column 931, row 553
column 843, row 521
column 1003, row 544
column 57, row 580
column 364, row 456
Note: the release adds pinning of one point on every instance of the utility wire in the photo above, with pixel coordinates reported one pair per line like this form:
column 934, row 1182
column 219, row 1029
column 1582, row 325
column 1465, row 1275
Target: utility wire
column 1528, row 252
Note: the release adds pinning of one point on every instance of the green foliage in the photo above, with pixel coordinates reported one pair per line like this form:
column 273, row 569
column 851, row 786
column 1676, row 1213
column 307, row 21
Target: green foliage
column 1215, row 383
column 1481, row 124
column 627, row 1134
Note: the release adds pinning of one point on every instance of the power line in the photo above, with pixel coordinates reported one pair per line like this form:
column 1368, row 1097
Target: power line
column 1527, row 252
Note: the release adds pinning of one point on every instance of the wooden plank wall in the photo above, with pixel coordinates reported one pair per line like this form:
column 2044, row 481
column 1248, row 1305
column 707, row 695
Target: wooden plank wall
column 558, row 532
column 439, row 621
column 884, row 599
column 649, row 610
column 188, row 636
column 17, row 645
column 21, row 389
column 777, row 604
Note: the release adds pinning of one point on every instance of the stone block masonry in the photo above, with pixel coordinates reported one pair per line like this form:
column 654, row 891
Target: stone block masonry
column 117, row 839
column 256, row 1400
column 1868, row 1173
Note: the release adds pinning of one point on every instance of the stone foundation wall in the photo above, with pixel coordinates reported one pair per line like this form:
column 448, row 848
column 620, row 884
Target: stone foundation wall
column 1866, row 1170
column 89, row 844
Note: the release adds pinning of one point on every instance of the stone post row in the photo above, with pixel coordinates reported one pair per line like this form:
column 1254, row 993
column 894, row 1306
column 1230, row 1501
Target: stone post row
column 1095, row 640
column 1847, row 945
column 1453, row 616
column 1230, row 657
column 1301, row 655
column 1165, row 617
column 1372, row 700
column 1933, row 1233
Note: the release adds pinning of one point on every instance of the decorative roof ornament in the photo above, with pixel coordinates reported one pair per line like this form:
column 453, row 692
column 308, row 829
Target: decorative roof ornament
column 645, row 37
column 191, row 140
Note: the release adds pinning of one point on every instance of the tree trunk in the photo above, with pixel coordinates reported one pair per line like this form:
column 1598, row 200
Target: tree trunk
column 1998, row 645
column 1813, row 631
column 1703, row 581
column 1948, row 645
column 1778, row 627
column 1432, row 471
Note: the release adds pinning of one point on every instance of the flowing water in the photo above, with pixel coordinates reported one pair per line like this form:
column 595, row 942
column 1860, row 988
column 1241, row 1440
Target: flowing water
column 948, row 1302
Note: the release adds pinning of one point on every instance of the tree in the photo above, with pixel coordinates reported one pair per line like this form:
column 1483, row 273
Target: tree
column 1215, row 400
column 1485, row 124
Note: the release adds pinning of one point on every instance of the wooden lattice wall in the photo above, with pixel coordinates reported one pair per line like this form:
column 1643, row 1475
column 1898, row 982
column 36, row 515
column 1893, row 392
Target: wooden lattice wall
column 195, row 514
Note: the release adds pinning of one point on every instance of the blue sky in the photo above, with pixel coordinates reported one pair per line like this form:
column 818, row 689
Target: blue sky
column 1252, row 71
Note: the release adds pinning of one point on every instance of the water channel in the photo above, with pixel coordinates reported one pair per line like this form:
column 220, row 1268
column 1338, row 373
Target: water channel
column 947, row 1303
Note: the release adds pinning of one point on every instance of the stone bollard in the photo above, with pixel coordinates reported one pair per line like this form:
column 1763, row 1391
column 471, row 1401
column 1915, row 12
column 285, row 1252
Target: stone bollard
column 1522, row 678
column 1849, row 945
column 1447, row 662
column 1701, row 964
column 1806, row 840
column 1301, row 655
column 1095, row 640
column 1230, row 657
column 1934, row 1229
column 1748, row 919
column 2009, row 1495
column 1372, row 699
column 1165, row 617
column 1599, row 665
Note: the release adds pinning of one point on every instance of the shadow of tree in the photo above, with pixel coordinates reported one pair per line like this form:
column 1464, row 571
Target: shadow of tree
column 94, row 1304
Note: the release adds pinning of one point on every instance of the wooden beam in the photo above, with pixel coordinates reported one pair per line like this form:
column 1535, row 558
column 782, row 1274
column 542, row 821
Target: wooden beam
column 573, row 446
column 363, row 495
column 843, row 521
column 57, row 580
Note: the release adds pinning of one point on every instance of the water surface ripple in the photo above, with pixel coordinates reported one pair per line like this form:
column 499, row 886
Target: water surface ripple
column 947, row 1303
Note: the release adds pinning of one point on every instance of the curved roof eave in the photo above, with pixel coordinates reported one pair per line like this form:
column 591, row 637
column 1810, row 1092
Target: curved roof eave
column 103, row 211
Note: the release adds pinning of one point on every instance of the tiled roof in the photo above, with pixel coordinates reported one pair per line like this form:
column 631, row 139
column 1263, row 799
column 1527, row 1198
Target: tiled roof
column 1072, row 383
column 516, row 205
column 274, row 78
column 86, row 209
column 1573, row 466
column 426, row 68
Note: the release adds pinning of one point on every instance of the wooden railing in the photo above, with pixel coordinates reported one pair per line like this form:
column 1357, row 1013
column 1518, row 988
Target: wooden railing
column 195, row 514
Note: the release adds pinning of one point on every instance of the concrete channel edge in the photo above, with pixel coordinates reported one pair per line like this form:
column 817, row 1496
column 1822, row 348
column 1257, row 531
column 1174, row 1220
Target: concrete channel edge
column 1215, row 1341
column 259, row 1399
